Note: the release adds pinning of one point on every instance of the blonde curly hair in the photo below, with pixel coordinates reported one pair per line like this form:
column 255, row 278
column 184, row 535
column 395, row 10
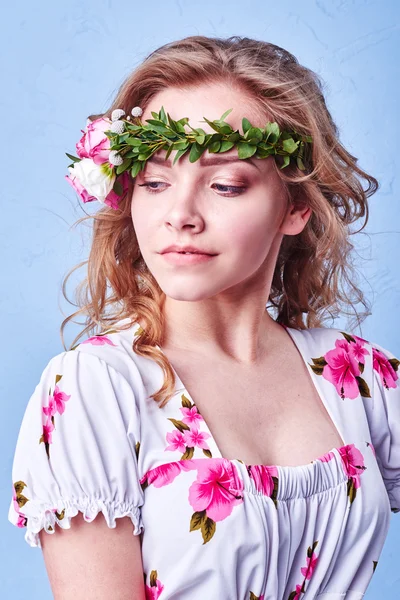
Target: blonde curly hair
column 314, row 274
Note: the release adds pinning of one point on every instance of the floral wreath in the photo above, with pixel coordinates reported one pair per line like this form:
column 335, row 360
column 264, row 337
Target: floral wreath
column 110, row 152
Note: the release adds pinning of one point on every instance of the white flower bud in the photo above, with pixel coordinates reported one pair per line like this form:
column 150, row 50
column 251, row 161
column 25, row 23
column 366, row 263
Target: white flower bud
column 117, row 114
column 115, row 158
column 136, row 111
column 117, row 127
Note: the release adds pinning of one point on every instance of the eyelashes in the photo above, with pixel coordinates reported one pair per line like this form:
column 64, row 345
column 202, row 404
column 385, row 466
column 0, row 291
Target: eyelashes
column 232, row 189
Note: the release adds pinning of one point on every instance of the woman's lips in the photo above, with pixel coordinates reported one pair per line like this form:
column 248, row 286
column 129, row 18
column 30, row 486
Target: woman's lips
column 178, row 258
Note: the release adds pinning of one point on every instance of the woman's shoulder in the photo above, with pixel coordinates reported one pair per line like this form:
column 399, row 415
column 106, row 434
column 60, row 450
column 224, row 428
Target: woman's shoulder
column 114, row 348
column 336, row 338
column 109, row 351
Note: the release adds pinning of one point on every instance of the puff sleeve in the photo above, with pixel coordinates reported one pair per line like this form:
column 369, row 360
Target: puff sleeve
column 77, row 448
column 383, row 411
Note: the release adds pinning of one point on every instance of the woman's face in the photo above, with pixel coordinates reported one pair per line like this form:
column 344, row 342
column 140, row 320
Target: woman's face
column 235, row 209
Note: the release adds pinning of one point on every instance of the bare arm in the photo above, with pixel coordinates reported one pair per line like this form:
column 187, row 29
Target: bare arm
column 91, row 561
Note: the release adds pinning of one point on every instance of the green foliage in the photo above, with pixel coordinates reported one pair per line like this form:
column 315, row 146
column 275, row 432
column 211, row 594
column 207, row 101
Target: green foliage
column 117, row 187
column 73, row 158
column 141, row 140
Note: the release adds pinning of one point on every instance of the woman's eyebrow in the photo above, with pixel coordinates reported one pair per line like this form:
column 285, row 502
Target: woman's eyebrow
column 205, row 161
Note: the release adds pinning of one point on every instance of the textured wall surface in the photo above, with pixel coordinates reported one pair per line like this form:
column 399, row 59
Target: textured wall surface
column 62, row 61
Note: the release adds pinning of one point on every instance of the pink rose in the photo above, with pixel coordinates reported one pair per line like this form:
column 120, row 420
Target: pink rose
column 112, row 199
column 97, row 182
column 93, row 176
column 94, row 143
column 80, row 190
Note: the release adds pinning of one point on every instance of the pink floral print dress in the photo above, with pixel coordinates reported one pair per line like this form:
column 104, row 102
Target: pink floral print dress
column 92, row 440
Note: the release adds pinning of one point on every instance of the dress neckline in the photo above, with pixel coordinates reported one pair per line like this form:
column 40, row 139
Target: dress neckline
column 296, row 338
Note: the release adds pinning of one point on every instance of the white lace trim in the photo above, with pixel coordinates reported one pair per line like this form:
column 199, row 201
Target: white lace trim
column 47, row 519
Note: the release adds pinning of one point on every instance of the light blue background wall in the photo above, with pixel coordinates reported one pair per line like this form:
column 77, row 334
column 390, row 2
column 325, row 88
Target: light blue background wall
column 64, row 60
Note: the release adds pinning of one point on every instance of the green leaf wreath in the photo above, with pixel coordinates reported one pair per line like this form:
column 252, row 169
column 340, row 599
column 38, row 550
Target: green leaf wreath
column 139, row 142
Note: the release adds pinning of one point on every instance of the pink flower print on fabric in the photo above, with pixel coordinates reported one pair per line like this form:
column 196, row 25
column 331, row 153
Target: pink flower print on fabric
column 265, row 478
column 353, row 462
column 356, row 349
column 214, row 494
column 156, row 587
column 311, row 564
column 326, row 457
column 191, row 416
column 195, row 438
column 307, row 573
column 176, row 441
column 56, row 404
column 19, row 500
column 165, row 474
column 99, row 340
column 254, row 597
column 216, row 489
column 386, row 368
column 343, row 367
column 372, row 448
column 296, row 595
column 48, row 428
column 21, row 521
column 188, row 437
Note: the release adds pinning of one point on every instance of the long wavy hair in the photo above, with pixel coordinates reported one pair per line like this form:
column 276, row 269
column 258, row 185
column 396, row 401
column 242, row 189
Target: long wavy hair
column 314, row 278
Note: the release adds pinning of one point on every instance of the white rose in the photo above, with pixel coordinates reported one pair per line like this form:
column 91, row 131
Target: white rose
column 98, row 180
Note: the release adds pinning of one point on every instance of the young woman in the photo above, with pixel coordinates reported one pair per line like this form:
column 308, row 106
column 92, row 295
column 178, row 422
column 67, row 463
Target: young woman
column 234, row 452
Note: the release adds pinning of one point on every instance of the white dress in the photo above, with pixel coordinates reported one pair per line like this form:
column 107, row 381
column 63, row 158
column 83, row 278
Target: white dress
column 93, row 440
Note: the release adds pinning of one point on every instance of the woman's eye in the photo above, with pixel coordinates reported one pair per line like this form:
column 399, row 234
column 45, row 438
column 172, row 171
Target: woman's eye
column 147, row 185
column 232, row 189
column 153, row 187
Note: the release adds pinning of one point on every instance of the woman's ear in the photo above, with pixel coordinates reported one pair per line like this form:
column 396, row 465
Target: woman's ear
column 295, row 220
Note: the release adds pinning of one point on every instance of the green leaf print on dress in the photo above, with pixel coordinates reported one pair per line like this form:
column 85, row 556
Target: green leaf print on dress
column 19, row 500
column 155, row 589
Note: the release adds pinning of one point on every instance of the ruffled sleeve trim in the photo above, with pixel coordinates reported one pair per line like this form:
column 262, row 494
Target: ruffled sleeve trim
column 48, row 516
